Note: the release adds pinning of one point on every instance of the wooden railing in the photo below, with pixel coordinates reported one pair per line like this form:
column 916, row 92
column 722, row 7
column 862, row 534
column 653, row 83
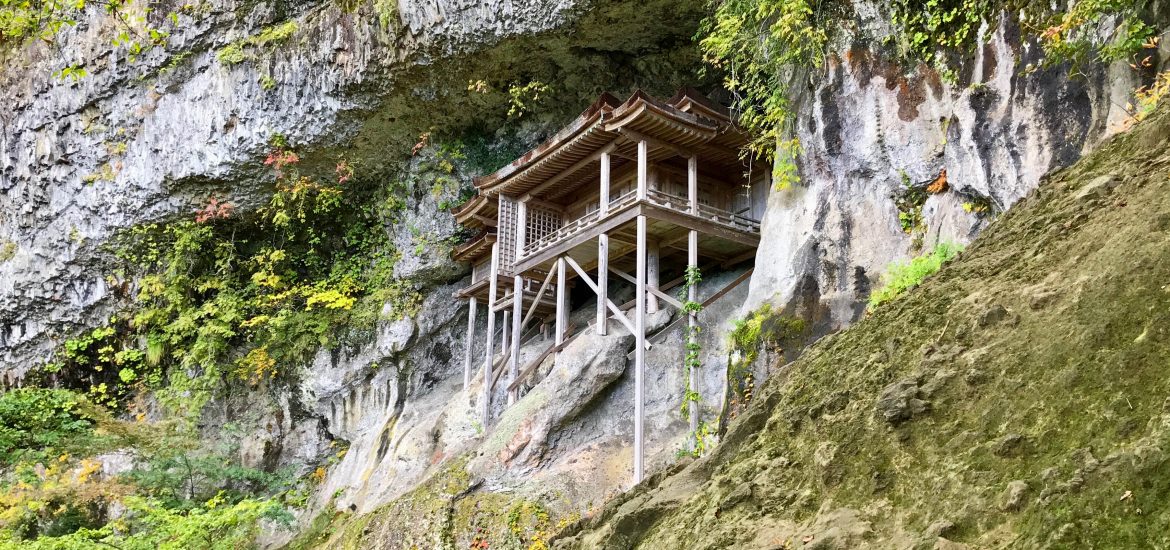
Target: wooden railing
column 659, row 198
column 576, row 226
column 717, row 215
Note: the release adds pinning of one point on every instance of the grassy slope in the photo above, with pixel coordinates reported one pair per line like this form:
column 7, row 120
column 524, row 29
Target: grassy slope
column 1044, row 354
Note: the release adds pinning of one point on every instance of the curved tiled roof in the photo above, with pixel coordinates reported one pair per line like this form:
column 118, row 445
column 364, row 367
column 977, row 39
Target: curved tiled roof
column 688, row 121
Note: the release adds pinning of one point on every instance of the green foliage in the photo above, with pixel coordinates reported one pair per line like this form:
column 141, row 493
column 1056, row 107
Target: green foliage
column 1073, row 35
column 105, row 362
column 765, row 329
column 22, row 20
column 909, row 202
column 901, row 277
column 229, row 296
column 757, row 44
column 691, row 360
column 149, row 525
column 37, row 423
column 522, row 98
column 1147, row 99
column 932, row 26
column 246, row 49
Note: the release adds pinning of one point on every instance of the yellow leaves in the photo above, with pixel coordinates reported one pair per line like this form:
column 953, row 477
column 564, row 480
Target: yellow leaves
column 256, row 321
column 266, row 279
column 256, row 366
column 331, row 299
column 318, row 475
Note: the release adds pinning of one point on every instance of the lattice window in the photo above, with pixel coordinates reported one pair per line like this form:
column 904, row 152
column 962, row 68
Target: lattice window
column 506, row 234
column 541, row 223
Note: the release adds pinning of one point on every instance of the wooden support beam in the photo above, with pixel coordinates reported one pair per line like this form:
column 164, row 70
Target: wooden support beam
column 539, row 295
column 742, row 277
column 652, row 257
column 664, row 296
column 729, row 262
column 517, row 327
column 562, row 298
column 568, row 172
column 643, row 169
column 693, row 185
column 640, row 333
column 471, row 303
column 486, row 398
column 602, row 282
column 589, row 282
column 603, row 250
column 643, row 138
column 490, row 222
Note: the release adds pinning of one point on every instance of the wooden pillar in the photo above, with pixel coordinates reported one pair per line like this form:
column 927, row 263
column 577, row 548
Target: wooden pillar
column 643, row 163
column 640, row 320
column 603, row 250
column 562, row 306
column 640, row 350
column 652, row 254
column 517, row 301
column 486, row 398
column 471, row 305
column 692, row 292
column 504, row 332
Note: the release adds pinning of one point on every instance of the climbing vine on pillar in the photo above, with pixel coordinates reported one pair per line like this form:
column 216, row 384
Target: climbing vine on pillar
column 691, row 361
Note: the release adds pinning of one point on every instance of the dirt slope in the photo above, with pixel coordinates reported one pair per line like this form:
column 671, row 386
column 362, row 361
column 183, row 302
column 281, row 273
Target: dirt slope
column 1019, row 398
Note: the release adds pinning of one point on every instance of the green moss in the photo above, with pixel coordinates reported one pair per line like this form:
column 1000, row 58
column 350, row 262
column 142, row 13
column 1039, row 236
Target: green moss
column 7, row 250
column 763, row 330
column 900, row 277
column 246, row 49
column 1040, row 355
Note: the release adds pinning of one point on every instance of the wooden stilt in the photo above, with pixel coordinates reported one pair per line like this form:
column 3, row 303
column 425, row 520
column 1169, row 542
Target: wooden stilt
column 640, row 351
column 640, row 322
column 562, row 305
column 505, row 330
column 518, row 303
column 603, row 250
column 486, row 399
column 517, row 327
column 471, row 305
column 652, row 276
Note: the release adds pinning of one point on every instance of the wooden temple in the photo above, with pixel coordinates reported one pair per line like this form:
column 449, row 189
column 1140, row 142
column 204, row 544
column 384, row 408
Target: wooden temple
column 632, row 190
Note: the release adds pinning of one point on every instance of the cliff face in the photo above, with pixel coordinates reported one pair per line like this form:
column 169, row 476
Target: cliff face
column 144, row 141
column 874, row 131
column 1015, row 399
column 150, row 141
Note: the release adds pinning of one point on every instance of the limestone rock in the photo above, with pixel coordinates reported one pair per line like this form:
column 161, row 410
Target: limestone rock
column 1014, row 495
column 900, row 401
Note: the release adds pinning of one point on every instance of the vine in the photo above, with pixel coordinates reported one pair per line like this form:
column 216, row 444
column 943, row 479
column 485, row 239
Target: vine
column 692, row 361
column 767, row 50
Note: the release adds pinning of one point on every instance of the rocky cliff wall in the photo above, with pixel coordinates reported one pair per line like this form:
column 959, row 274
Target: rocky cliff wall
column 875, row 130
column 141, row 141
column 132, row 143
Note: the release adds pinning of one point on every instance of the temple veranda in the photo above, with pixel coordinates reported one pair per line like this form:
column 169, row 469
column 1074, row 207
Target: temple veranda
column 630, row 191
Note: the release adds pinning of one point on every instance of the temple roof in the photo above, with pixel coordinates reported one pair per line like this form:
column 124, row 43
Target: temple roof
column 476, row 212
column 476, row 248
column 688, row 123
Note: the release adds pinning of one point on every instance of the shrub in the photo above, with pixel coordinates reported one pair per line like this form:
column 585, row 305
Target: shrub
column 901, row 277
column 40, row 421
